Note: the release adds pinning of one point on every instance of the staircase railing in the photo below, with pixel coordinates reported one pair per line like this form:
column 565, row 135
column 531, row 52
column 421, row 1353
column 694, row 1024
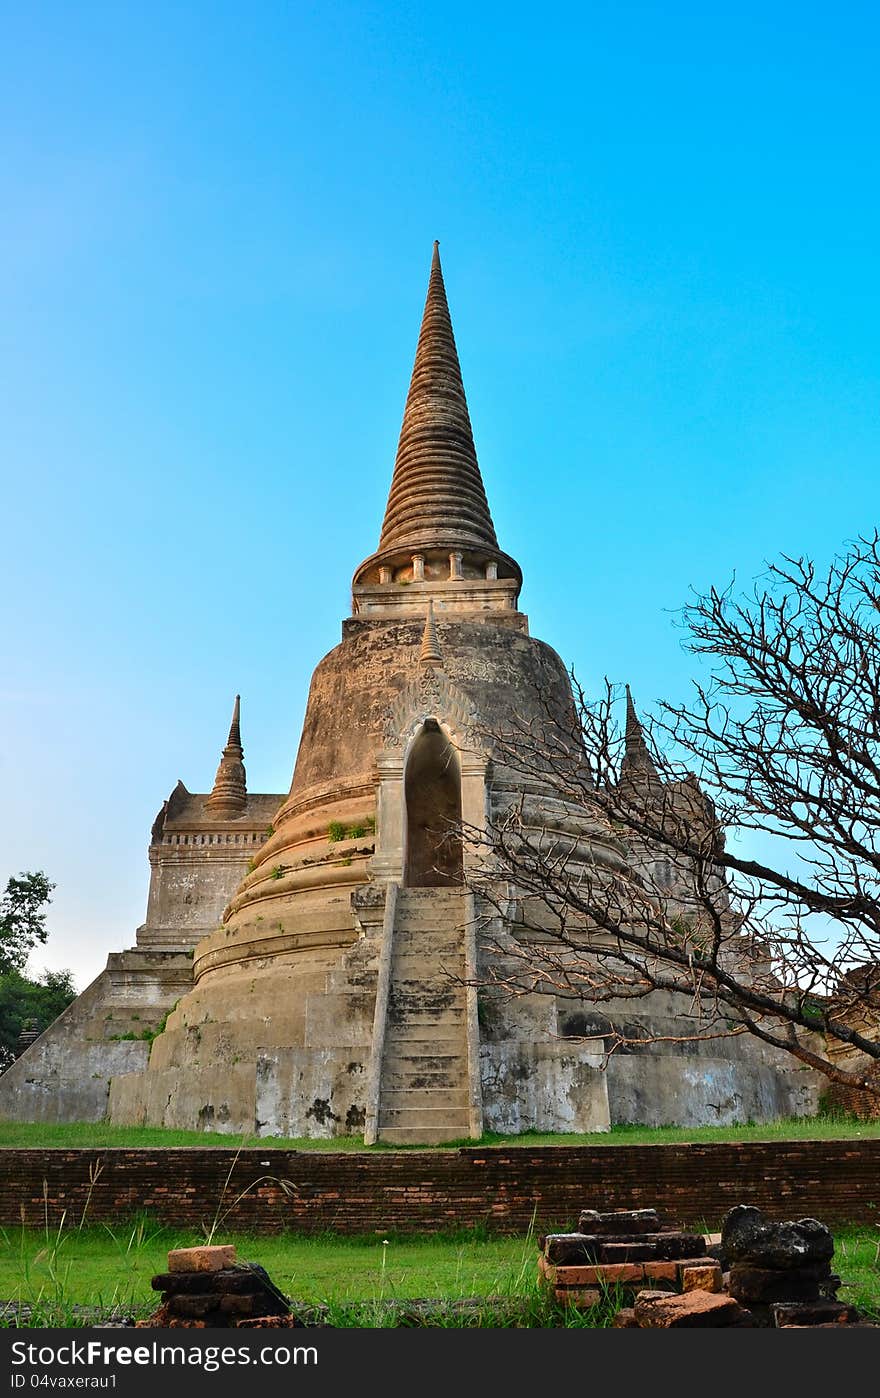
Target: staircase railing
column 475, row 1086
column 380, row 1016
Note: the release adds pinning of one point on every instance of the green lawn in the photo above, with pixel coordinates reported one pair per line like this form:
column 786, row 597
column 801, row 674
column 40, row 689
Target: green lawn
column 111, row 1268
column 41, row 1135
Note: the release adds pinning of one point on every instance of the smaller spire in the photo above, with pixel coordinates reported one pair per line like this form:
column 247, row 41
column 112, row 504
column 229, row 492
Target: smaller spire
column 229, row 794
column 637, row 759
column 234, row 739
column 430, row 651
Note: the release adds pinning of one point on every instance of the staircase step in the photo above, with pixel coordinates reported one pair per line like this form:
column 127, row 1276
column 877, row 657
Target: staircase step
column 437, row 893
column 441, row 914
column 402, row 1060
column 438, row 982
column 433, row 960
column 420, row 1081
column 445, row 1056
column 428, row 941
column 444, row 919
column 421, row 1135
column 415, row 1005
column 424, row 1088
column 423, row 1099
column 414, row 1002
column 445, row 1022
column 452, row 1120
column 411, row 1038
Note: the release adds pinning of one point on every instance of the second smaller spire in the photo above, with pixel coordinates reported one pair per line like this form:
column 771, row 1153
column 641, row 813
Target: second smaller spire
column 430, row 653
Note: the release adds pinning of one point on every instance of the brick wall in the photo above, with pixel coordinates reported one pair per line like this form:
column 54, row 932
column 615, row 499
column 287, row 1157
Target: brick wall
column 360, row 1192
column 854, row 1101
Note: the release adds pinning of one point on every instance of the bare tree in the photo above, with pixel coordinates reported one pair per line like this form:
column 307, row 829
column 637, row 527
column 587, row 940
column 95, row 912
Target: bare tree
column 729, row 852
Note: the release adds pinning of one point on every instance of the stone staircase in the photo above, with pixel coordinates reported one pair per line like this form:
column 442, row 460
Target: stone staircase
column 423, row 1097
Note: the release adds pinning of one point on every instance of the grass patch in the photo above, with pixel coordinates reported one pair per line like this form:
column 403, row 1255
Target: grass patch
column 87, row 1135
column 55, row 1270
column 360, row 1281
column 857, row 1262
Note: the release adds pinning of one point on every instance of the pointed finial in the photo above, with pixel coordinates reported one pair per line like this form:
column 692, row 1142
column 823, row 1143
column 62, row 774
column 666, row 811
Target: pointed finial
column 430, row 651
column 633, row 726
column 437, row 503
column 437, row 493
column 229, row 794
column 234, row 739
column 637, row 757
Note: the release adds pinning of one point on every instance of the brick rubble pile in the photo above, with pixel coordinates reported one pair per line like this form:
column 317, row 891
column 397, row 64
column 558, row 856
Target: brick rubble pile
column 779, row 1273
column 205, row 1287
column 782, row 1271
column 623, row 1249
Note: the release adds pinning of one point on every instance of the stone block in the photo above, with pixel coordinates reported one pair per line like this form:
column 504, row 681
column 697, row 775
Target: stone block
column 625, row 1319
column 570, row 1249
column 672, row 1246
column 764, row 1285
column 240, row 1280
column 619, row 1222
column 747, row 1235
column 834, row 1325
column 203, row 1259
column 787, row 1315
column 239, row 1305
column 658, row 1310
column 700, row 1278
column 164, row 1319
column 661, row 1271
column 584, row 1298
column 194, row 1307
column 602, row 1275
column 627, row 1252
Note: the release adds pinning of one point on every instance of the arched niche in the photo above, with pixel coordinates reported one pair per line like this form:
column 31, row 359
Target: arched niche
column 432, row 802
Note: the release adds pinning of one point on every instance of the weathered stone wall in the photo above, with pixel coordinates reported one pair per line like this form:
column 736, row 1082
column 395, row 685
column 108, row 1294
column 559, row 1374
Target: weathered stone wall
column 661, row 1089
column 502, row 671
column 65, row 1074
column 275, row 1046
column 508, row 1190
column 680, row 1074
column 547, row 1086
column 198, row 858
column 190, row 885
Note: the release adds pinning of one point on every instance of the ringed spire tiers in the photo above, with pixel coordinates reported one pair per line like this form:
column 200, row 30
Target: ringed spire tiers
column 229, row 794
column 437, row 531
column 430, row 653
column 637, row 764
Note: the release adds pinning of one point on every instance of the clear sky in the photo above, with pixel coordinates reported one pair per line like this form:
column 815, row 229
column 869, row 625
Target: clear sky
column 659, row 231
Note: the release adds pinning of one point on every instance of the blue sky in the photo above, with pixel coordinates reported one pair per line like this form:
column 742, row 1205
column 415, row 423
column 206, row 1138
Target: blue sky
column 659, row 230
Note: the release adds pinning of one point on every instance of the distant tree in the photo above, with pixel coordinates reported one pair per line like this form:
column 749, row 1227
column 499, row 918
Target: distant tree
column 23, row 918
column 26, row 1003
column 30, row 1004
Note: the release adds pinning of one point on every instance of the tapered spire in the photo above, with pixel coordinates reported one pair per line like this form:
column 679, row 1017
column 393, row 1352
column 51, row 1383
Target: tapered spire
column 437, row 533
column 637, row 760
column 229, row 796
column 234, row 739
column 437, row 493
column 430, row 653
